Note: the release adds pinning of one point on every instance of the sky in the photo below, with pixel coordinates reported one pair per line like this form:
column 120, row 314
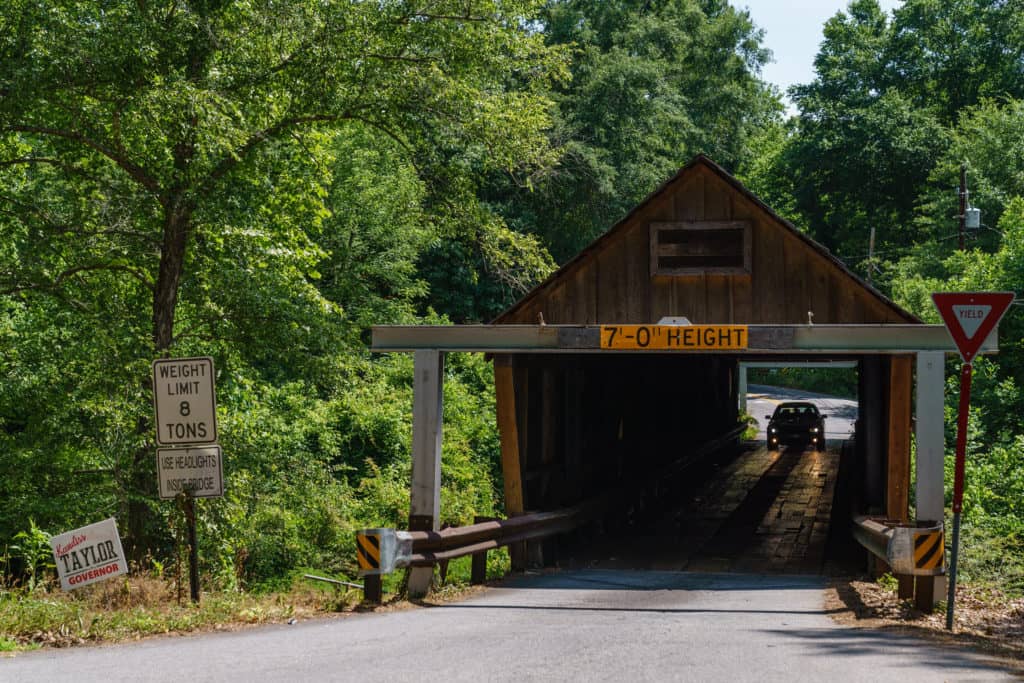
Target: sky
column 793, row 33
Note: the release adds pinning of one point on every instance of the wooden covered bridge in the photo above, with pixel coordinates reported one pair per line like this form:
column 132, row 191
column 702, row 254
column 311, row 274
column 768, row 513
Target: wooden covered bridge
column 630, row 354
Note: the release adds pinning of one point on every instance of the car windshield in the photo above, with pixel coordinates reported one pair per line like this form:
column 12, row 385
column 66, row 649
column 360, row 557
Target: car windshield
column 796, row 410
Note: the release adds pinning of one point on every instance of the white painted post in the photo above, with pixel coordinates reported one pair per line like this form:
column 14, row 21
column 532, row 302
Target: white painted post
column 427, row 415
column 742, row 391
column 931, row 448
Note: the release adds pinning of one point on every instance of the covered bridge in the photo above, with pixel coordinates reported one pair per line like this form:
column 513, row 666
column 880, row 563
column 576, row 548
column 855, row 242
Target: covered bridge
column 703, row 248
column 630, row 353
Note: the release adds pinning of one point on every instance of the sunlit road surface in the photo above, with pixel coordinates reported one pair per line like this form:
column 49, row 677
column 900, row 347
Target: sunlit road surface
column 588, row 625
column 841, row 412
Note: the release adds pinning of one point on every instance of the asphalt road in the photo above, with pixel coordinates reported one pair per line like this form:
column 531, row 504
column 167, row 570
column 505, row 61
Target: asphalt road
column 589, row 625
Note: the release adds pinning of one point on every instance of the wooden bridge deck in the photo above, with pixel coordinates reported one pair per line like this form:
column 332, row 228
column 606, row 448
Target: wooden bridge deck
column 764, row 512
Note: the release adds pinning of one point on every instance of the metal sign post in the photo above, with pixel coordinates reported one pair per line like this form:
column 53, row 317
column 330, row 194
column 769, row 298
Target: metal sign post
column 958, row 484
column 185, row 404
column 189, row 503
column 970, row 317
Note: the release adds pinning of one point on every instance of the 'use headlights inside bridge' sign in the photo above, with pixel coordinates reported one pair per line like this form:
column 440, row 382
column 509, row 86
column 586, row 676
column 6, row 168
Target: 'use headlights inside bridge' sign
column 674, row 337
column 184, row 401
column 199, row 471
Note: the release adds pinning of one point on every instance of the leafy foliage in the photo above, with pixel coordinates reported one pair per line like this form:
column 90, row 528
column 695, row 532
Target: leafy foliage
column 652, row 85
column 898, row 104
column 262, row 182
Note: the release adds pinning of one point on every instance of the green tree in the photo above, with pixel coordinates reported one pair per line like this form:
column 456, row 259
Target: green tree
column 863, row 148
column 946, row 56
column 166, row 161
column 989, row 140
column 978, row 270
column 882, row 109
column 653, row 83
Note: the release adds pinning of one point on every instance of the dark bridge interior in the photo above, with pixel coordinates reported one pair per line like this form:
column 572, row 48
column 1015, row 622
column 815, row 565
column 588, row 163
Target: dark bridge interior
column 630, row 426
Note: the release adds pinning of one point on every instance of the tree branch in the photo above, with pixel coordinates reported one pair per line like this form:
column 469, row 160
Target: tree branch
column 69, row 168
column 225, row 165
column 136, row 172
column 137, row 273
column 450, row 17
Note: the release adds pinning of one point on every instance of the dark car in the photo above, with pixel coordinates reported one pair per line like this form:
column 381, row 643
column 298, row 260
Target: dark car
column 796, row 423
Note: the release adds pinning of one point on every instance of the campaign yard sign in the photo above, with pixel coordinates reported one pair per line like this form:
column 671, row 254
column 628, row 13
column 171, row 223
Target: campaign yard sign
column 90, row 554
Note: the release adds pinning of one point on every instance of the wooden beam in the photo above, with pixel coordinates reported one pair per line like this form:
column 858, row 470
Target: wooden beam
column 505, row 398
column 901, row 370
column 796, row 338
column 508, row 433
column 427, row 419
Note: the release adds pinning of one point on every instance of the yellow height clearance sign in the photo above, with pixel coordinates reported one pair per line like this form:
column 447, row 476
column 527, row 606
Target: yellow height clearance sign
column 674, row 337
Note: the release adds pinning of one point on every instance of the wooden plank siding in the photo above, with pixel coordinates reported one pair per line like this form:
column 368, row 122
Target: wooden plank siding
column 560, row 418
column 611, row 280
column 901, row 388
column 690, row 295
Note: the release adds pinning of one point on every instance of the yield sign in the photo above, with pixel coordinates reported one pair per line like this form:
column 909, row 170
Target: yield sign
column 971, row 316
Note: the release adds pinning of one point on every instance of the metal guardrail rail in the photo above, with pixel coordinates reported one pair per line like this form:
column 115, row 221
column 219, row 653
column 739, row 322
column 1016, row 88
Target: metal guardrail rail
column 435, row 547
column 910, row 549
column 430, row 547
column 447, row 544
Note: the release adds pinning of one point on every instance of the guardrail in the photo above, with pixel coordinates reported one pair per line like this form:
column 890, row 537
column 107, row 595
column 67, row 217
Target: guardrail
column 914, row 551
column 911, row 549
column 383, row 550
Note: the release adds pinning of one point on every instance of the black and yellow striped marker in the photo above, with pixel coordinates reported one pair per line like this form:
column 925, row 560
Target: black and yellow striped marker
column 368, row 551
column 929, row 549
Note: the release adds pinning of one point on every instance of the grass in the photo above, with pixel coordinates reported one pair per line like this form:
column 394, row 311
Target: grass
column 8, row 645
column 141, row 606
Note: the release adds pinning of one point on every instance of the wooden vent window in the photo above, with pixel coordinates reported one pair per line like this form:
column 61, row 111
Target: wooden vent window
column 697, row 247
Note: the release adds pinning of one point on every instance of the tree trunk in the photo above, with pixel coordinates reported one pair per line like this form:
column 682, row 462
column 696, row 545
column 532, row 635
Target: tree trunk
column 178, row 215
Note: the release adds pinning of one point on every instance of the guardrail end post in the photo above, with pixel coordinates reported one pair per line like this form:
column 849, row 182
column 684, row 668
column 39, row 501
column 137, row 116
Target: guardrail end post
column 905, row 588
column 373, row 589
column 478, row 568
column 478, row 572
column 924, row 594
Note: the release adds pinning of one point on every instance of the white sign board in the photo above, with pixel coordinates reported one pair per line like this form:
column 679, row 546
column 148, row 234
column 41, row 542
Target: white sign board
column 90, row 554
column 184, row 401
column 198, row 469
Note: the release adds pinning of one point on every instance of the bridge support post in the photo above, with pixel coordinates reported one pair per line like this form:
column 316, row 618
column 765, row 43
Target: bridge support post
column 871, row 439
column 508, row 431
column 427, row 417
column 897, row 497
column 897, row 505
column 741, row 369
column 931, row 449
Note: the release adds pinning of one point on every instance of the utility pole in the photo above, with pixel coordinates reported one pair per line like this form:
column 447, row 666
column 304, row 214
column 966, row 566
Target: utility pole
column 963, row 204
column 871, row 254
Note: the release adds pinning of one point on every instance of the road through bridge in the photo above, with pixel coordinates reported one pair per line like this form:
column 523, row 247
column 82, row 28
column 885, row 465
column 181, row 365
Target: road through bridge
column 586, row 625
